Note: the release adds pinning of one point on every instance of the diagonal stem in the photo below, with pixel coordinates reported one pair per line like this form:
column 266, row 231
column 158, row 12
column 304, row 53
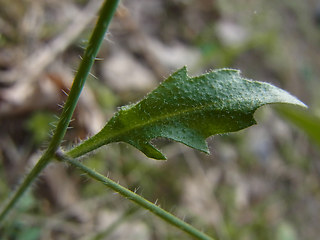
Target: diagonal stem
column 168, row 217
column 106, row 13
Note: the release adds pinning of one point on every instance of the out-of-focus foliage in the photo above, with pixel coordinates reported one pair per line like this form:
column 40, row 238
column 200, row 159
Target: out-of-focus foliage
column 40, row 125
column 304, row 119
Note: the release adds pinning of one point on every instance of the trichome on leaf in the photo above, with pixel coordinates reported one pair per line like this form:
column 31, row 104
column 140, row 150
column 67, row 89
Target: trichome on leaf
column 188, row 110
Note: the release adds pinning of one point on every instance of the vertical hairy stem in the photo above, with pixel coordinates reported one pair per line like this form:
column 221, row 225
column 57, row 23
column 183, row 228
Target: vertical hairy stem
column 106, row 13
column 168, row 217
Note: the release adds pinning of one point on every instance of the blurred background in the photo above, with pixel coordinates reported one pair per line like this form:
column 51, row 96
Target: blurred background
column 260, row 183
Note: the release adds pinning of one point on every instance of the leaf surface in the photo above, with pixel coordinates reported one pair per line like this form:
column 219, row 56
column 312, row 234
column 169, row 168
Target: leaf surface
column 188, row 110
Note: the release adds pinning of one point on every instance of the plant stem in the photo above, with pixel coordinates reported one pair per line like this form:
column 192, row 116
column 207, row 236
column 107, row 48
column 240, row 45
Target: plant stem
column 106, row 13
column 168, row 217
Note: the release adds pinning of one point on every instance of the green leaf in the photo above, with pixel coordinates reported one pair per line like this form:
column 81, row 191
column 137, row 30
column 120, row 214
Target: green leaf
column 188, row 110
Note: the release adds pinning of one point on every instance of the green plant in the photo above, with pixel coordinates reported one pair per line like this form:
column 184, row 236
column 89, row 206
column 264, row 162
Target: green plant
column 184, row 109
